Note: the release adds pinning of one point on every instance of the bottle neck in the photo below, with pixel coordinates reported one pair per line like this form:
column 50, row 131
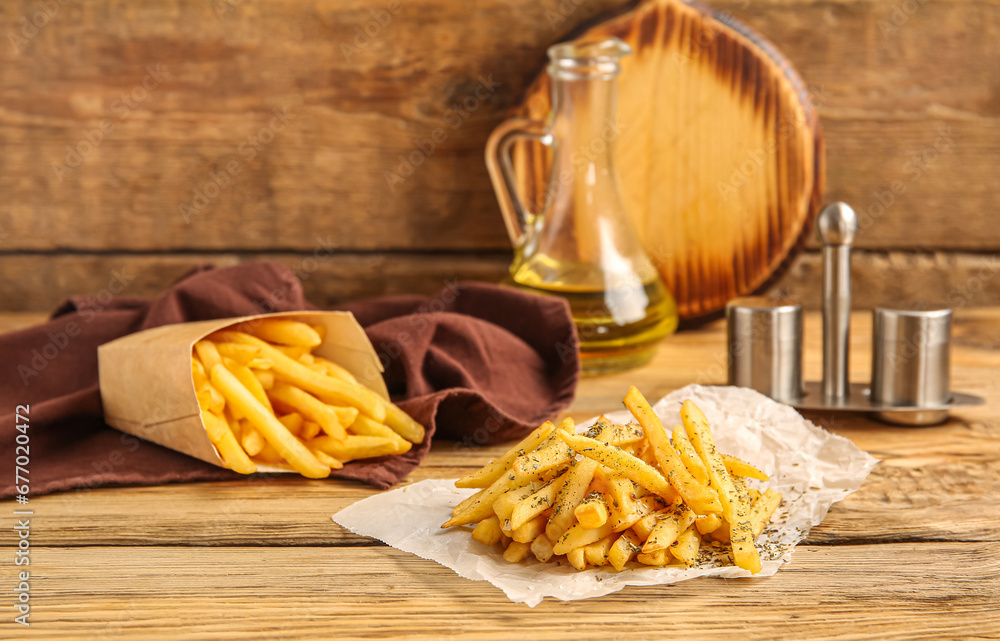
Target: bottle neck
column 585, row 124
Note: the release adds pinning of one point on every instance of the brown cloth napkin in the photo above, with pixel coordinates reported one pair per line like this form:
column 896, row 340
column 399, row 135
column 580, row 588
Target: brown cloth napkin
column 476, row 363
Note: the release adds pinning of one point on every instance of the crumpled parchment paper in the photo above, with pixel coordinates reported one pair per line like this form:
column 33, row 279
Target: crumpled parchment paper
column 811, row 467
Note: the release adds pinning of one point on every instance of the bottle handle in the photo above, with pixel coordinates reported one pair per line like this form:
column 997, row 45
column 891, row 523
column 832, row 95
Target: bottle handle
column 501, row 169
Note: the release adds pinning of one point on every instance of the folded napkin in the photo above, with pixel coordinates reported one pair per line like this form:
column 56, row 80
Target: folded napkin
column 476, row 363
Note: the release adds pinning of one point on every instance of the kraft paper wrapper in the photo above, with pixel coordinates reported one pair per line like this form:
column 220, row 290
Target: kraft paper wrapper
column 147, row 389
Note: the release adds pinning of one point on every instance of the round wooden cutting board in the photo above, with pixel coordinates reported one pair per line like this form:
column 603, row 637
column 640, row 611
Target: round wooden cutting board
column 718, row 149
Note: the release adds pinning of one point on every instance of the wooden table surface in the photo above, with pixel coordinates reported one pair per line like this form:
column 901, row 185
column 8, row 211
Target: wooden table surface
column 914, row 554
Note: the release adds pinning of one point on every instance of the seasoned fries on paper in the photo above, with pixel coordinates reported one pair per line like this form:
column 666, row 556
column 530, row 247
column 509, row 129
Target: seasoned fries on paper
column 266, row 398
column 619, row 494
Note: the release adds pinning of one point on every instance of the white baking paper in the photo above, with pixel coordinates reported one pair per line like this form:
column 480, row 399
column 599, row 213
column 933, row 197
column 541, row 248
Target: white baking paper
column 811, row 467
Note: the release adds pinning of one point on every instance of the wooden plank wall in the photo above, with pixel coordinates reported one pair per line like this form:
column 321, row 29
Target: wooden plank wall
column 140, row 138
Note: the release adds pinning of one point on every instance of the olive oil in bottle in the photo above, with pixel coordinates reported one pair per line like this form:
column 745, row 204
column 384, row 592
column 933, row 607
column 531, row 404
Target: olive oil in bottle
column 618, row 328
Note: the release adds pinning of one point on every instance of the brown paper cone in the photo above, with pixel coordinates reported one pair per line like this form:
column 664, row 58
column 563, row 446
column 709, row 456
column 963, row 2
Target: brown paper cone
column 147, row 389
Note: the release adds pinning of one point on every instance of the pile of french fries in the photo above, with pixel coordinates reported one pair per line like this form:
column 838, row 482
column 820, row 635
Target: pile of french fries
column 635, row 492
column 266, row 398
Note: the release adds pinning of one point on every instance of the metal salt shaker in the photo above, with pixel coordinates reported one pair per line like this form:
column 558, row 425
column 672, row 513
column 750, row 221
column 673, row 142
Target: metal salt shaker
column 765, row 346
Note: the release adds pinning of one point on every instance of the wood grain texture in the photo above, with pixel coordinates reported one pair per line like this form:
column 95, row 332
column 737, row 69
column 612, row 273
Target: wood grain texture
column 40, row 282
column 849, row 592
column 380, row 144
column 717, row 146
column 882, row 94
column 914, row 554
column 958, row 280
column 34, row 282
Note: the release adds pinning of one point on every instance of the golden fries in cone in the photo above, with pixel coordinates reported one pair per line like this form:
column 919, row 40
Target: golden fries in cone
column 296, row 391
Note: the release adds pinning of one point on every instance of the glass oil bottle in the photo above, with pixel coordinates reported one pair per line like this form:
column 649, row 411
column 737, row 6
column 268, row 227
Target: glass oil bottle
column 583, row 245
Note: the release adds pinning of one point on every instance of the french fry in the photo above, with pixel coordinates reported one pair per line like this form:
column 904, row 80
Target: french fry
column 349, row 415
column 577, row 558
column 286, row 375
column 668, row 527
column 596, row 554
column 487, row 531
column 620, row 498
column 721, row 534
column 592, row 512
column 689, row 456
column 708, row 523
column 294, row 353
column 620, row 461
column 621, row 521
column 293, row 422
column 762, row 510
column 516, row 552
column 320, row 331
column 249, row 381
column 541, row 547
column 490, row 472
column 623, row 550
column 739, row 467
column 402, row 423
column 207, row 354
column 334, row 370
column 482, row 506
column 644, row 526
column 198, row 374
column 245, row 354
column 468, row 502
column 554, row 454
column 214, row 425
column 229, row 450
column 573, row 489
column 265, row 377
column 310, row 407
column 326, row 388
column 290, row 449
column 578, row 536
column 685, row 548
column 535, row 503
column 529, row 531
column 647, row 454
column 286, row 332
column 657, row 559
column 268, row 455
column 209, row 398
column 364, row 426
column 696, row 426
column 741, row 538
column 354, row 447
column 619, row 435
column 310, row 430
column 503, row 507
column 326, row 459
column 251, row 440
column 699, row 497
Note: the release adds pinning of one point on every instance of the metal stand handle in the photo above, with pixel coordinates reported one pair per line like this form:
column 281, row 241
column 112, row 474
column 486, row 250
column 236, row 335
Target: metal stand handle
column 837, row 225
